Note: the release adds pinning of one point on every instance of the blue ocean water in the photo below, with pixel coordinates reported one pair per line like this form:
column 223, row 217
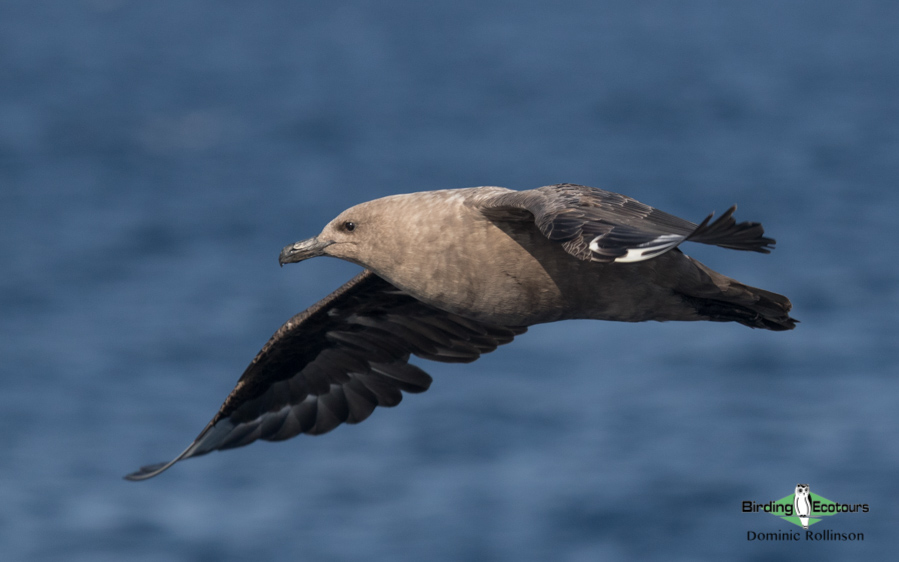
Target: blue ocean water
column 155, row 157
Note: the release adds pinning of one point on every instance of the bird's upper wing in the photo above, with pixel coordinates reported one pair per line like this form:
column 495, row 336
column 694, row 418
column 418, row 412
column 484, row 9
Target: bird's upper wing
column 337, row 361
column 598, row 225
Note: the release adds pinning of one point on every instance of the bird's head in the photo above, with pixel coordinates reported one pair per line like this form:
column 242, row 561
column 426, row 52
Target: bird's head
column 353, row 236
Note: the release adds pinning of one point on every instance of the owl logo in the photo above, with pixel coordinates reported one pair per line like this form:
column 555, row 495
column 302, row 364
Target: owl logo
column 801, row 504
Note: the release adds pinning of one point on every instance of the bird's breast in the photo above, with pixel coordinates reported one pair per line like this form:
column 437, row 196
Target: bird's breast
column 499, row 274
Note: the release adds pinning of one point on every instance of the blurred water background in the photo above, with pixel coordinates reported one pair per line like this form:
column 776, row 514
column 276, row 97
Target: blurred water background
column 156, row 156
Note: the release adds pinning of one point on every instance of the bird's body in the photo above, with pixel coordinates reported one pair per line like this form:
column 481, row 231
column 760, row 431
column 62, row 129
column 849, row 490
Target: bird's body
column 504, row 270
column 452, row 274
column 525, row 279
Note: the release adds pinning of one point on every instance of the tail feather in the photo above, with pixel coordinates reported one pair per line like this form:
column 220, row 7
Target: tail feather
column 722, row 299
column 765, row 313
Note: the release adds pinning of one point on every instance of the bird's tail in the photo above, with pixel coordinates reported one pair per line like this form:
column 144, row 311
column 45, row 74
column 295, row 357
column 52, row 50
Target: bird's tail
column 723, row 299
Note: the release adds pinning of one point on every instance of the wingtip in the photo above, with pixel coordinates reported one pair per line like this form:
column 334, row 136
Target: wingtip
column 726, row 232
column 148, row 471
column 151, row 470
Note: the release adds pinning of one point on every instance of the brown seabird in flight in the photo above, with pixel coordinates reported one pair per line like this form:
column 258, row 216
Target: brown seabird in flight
column 452, row 274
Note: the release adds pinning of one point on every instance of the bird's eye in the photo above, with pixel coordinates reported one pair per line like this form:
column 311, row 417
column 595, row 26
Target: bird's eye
column 349, row 226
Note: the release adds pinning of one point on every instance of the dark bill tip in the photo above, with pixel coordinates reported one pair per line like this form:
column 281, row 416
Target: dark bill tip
column 302, row 250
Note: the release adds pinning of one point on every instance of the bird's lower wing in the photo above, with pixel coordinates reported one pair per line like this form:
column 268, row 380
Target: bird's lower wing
column 337, row 361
